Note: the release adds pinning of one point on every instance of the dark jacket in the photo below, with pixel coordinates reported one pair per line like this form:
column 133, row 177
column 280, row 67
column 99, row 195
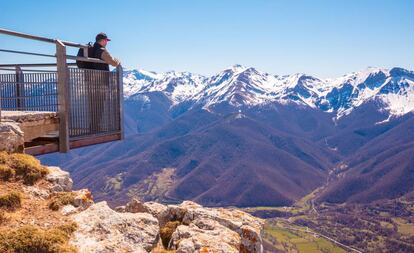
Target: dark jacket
column 97, row 52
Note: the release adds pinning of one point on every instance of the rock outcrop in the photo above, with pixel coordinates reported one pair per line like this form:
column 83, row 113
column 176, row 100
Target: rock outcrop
column 101, row 229
column 199, row 229
column 205, row 229
column 205, row 235
column 60, row 179
column 11, row 137
column 137, row 227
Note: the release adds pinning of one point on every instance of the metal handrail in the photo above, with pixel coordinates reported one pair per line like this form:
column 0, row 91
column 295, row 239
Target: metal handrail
column 26, row 53
column 48, row 40
column 33, row 65
column 40, row 38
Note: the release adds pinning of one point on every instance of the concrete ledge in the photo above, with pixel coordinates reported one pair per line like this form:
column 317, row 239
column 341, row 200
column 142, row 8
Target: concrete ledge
column 34, row 124
column 27, row 116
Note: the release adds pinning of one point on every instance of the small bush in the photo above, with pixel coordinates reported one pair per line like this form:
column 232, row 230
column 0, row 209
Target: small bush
column 61, row 199
column 33, row 239
column 6, row 173
column 68, row 228
column 3, row 217
column 167, row 231
column 11, row 200
column 3, row 157
column 27, row 167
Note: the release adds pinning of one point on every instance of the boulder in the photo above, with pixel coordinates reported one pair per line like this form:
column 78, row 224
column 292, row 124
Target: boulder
column 248, row 227
column 60, row 179
column 135, row 206
column 159, row 211
column 11, row 137
column 196, row 220
column 101, row 229
column 205, row 236
column 155, row 209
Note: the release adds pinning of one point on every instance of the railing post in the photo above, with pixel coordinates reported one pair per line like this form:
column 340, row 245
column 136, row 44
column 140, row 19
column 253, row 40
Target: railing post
column 19, row 88
column 1, row 95
column 120, row 82
column 85, row 52
column 63, row 96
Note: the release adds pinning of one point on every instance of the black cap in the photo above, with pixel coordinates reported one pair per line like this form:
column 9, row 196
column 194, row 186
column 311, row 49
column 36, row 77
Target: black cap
column 101, row 36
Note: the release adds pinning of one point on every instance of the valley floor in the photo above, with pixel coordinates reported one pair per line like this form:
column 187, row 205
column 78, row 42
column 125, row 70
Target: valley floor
column 385, row 226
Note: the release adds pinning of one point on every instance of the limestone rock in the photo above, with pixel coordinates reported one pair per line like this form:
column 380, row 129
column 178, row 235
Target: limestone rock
column 135, row 206
column 205, row 236
column 210, row 229
column 83, row 199
column 120, row 209
column 248, row 227
column 36, row 192
column 60, row 179
column 104, row 230
column 155, row 209
column 11, row 137
column 68, row 210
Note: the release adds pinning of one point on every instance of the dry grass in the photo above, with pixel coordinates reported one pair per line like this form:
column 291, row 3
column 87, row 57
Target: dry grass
column 27, row 167
column 3, row 218
column 11, row 201
column 6, row 173
column 21, row 166
column 61, row 199
column 4, row 157
column 167, row 231
column 161, row 250
column 33, row 239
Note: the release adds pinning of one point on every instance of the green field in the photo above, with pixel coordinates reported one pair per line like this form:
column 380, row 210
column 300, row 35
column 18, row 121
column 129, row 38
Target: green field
column 288, row 240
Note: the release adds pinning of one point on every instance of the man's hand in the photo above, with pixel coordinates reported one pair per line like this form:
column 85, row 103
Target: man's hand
column 109, row 59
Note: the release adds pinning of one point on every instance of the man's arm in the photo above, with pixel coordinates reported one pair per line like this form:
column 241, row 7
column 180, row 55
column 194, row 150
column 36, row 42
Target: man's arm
column 109, row 59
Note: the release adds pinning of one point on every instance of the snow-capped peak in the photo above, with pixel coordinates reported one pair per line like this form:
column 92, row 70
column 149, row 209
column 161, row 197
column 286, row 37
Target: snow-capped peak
column 246, row 86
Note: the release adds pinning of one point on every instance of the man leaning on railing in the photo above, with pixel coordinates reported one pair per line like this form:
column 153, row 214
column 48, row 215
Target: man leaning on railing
column 98, row 83
column 100, row 52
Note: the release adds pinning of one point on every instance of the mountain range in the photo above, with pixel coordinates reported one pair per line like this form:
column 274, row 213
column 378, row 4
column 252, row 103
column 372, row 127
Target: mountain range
column 248, row 138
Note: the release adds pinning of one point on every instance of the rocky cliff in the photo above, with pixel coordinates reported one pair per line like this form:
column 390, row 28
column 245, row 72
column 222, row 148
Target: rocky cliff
column 45, row 203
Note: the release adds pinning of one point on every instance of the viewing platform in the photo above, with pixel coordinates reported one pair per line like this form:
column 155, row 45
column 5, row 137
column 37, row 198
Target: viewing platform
column 58, row 106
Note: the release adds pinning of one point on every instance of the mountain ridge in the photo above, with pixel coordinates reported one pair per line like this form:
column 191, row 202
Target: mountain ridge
column 242, row 86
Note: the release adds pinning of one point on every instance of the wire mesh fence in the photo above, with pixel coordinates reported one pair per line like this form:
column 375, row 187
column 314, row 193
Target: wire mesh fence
column 29, row 92
column 94, row 98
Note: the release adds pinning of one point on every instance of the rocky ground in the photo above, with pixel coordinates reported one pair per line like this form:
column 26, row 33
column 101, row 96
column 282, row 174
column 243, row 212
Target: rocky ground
column 135, row 227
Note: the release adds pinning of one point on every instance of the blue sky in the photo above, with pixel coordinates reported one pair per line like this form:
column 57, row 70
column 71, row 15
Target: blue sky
column 322, row 38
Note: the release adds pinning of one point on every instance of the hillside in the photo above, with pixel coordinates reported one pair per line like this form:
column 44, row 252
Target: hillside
column 248, row 138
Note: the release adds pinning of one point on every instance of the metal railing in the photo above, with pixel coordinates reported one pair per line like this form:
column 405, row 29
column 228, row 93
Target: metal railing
column 88, row 102
column 21, row 91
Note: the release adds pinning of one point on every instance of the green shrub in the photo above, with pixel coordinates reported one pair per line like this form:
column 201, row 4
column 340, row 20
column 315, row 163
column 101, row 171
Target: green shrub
column 27, row 167
column 34, row 239
column 11, row 200
column 167, row 231
column 61, row 199
column 6, row 173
